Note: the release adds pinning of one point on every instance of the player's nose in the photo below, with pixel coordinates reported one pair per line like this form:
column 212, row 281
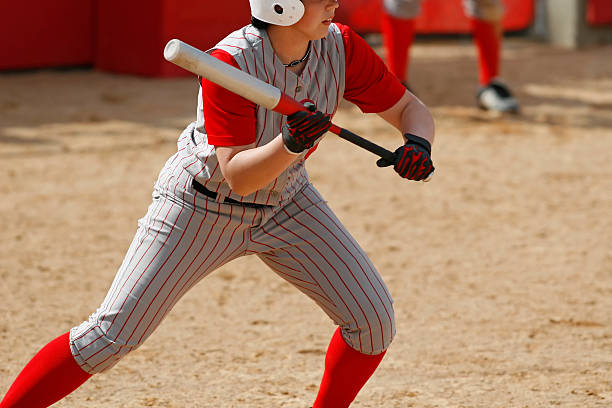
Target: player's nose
column 333, row 4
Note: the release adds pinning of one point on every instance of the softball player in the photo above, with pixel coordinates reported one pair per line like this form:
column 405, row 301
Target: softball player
column 237, row 185
column 398, row 27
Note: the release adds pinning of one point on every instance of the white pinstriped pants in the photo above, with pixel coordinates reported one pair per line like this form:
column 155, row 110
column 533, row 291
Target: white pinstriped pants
column 488, row 10
column 185, row 236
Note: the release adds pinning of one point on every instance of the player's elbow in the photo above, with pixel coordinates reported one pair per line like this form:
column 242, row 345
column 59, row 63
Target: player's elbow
column 241, row 187
column 241, row 183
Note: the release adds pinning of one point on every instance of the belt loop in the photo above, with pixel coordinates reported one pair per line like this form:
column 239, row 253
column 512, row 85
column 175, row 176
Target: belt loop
column 220, row 198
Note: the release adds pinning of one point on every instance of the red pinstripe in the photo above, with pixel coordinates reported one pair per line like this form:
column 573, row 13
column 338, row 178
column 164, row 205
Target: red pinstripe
column 336, row 82
column 269, row 257
column 263, row 56
column 232, row 46
column 202, row 169
column 317, row 78
column 211, row 176
column 263, row 129
column 191, row 164
column 274, row 65
column 254, row 35
column 246, row 65
column 239, row 246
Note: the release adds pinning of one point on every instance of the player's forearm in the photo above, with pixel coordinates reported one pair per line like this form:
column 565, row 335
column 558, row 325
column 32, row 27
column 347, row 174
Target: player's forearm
column 252, row 169
column 410, row 115
column 417, row 120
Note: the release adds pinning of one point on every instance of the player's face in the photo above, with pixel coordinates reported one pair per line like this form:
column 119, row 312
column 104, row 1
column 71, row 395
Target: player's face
column 318, row 15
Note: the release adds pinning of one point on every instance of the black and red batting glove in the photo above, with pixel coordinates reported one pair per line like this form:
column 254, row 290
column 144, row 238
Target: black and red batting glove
column 304, row 128
column 412, row 160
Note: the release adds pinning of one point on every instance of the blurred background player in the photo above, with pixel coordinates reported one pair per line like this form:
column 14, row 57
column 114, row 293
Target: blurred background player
column 398, row 29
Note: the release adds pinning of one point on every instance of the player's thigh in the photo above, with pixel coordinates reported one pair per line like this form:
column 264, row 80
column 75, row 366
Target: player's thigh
column 488, row 10
column 403, row 8
column 175, row 246
column 308, row 246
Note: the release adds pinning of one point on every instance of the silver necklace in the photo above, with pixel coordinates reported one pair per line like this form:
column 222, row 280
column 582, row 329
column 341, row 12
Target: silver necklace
column 298, row 62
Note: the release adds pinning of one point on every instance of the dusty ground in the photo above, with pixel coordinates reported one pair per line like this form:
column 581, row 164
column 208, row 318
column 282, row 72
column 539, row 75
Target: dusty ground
column 501, row 267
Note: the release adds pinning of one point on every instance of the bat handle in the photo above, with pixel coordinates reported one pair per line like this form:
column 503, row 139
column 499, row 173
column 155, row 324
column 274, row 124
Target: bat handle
column 367, row 145
column 363, row 143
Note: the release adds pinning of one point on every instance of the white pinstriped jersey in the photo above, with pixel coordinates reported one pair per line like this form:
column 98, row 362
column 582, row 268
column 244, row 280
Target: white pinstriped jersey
column 322, row 81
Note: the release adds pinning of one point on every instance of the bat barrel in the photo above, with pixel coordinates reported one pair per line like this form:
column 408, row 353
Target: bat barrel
column 231, row 78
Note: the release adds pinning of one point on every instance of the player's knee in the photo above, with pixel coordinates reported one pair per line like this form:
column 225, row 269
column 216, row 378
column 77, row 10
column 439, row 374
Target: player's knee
column 97, row 350
column 406, row 9
column 487, row 10
column 374, row 333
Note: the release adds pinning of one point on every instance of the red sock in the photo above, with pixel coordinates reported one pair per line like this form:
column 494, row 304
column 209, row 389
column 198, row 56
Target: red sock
column 488, row 41
column 48, row 377
column 346, row 372
column 398, row 35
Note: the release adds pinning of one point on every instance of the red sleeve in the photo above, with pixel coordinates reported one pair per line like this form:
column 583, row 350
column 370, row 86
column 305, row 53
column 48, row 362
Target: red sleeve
column 369, row 84
column 230, row 120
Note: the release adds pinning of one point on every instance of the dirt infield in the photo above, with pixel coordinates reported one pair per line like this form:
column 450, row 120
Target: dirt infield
column 500, row 268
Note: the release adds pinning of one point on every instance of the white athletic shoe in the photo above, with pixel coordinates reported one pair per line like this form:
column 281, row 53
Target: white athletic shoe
column 496, row 96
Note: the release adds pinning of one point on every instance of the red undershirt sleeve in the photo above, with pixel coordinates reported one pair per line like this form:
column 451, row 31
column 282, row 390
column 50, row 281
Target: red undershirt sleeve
column 230, row 120
column 368, row 84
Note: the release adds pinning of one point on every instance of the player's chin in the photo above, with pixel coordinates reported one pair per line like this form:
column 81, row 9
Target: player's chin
column 322, row 31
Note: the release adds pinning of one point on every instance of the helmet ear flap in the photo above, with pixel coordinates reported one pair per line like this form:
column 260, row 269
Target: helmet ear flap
column 277, row 12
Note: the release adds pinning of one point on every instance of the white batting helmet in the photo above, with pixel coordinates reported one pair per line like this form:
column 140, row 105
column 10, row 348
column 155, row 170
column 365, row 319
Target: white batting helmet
column 278, row 12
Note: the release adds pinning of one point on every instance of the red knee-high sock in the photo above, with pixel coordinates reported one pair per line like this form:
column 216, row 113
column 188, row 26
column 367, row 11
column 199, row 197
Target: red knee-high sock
column 487, row 38
column 346, row 372
column 48, row 377
column 398, row 35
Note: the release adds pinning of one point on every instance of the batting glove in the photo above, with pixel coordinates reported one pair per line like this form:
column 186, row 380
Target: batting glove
column 412, row 160
column 304, row 129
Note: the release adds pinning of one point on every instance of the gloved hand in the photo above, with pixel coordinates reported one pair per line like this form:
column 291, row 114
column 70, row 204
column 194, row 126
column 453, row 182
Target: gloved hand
column 304, row 129
column 412, row 160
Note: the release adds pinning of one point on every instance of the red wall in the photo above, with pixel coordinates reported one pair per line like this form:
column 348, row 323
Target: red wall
column 599, row 12
column 131, row 35
column 46, row 33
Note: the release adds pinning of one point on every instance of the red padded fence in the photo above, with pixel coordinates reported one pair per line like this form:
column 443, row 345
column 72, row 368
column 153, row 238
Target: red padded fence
column 46, row 33
column 599, row 12
column 131, row 35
